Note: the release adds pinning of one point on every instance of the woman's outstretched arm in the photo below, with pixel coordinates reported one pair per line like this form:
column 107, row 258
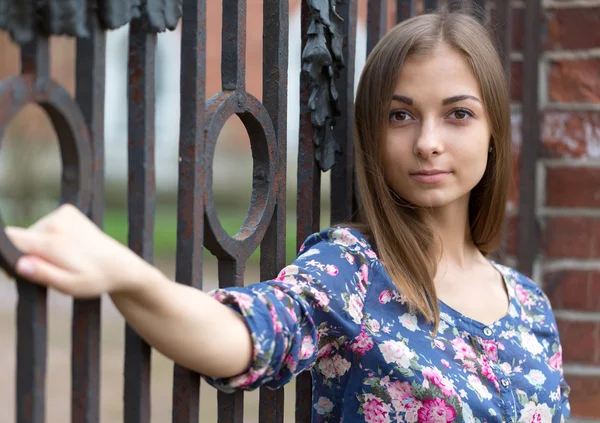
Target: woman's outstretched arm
column 67, row 252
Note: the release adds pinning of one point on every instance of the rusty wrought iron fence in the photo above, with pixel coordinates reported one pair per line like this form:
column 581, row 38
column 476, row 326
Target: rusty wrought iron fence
column 325, row 141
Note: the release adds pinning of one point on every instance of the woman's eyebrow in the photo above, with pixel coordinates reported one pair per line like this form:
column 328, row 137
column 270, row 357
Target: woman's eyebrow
column 458, row 98
column 445, row 102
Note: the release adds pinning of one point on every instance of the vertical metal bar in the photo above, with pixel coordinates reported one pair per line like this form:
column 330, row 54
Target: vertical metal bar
column 31, row 306
column 529, row 233
column 86, row 330
column 308, row 201
column 501, row 21
column 405, row 9
column 377, row 15
column 430, row 5
column 233, row 60
column 275, row 82
column 192, row 176
column 231, row 406
column 342, row 174
column 141, row 203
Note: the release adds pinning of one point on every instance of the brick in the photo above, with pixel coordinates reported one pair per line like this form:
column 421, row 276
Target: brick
column 516, row 77
column 585, row 396
column 574, row 81
column 579, row 341
column 573, row 187
column 513, row 184
column 518, row 28
column 571, row 134
column 572, row 237
column 571, row 289
column 572, row 28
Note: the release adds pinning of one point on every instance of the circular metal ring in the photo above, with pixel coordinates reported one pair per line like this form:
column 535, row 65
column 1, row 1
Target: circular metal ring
column 265, row 157
column 73, row 137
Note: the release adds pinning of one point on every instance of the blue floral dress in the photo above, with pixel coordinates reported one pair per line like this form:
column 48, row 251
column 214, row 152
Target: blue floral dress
column 336, row 312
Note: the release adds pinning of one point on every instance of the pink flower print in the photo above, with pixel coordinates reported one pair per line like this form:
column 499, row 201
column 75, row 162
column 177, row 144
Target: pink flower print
column 277, row 325
column 486, row 370
column 350, row 258
column 343, row 237
column 288, row 274
column 364, row 273
column 279, row 294
column 290, row 363
column 436, row 411
column 373, row 325
column 435, row 376
column 524, row 297
column 323, row 406
column 371, row 254
column 331, row 270
column 307, row 349
column 321, row 298
column 536, row 413
column 439, row 344
column 341, row 365
column 445, row 363
column 490, row 348
column 316, row 264
column 556, row 360
column 376, row 411
column 362, row 343
column 327, row 368
column 385, row 296
column 462, row 349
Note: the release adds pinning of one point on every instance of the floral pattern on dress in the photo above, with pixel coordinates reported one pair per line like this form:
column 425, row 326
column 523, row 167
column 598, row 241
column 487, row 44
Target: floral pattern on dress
column 336, row 313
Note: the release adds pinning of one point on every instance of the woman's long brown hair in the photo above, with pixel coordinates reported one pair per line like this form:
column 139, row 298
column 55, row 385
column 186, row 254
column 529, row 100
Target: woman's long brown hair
column 405, row 244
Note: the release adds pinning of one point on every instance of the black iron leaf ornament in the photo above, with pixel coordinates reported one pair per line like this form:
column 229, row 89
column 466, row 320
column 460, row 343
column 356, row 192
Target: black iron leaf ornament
column 23, row 19
column 322, row 60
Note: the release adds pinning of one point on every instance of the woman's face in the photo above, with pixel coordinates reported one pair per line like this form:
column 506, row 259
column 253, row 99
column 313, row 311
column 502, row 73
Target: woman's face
column 438, row 136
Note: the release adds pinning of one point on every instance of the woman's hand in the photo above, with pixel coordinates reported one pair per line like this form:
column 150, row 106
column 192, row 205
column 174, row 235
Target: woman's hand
column 66, row 251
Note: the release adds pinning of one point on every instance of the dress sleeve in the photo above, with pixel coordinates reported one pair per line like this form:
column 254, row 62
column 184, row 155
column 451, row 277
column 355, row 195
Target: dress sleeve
column 320, row 297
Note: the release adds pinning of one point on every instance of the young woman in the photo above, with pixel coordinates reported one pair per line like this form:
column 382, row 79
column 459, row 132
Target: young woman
column 402, row 318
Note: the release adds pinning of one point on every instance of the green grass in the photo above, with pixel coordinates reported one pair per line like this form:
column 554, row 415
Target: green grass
column 165, row 230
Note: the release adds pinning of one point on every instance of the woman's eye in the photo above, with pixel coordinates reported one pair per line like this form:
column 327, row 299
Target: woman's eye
column 461, row 114
column 399, row 116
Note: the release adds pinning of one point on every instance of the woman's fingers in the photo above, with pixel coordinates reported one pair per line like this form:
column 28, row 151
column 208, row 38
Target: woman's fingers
column 27, row 241
column 44, row 273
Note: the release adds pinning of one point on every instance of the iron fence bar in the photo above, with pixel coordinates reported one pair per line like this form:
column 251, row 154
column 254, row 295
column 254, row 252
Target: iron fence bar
column 86, row 323
column 233, row 59
column 272, row 247
column 308, row 201
column 231, row 406
column 32, row 303
column 405, row 9
column 343, row 204
column 501, row 21
column 141, row 203
column 430, row 5
column 192, row 177
column 377, row 15
column 529, row 233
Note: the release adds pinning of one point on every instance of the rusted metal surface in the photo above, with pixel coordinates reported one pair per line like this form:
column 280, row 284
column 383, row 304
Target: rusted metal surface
column 377, row 15
column 529, row 231
column 501, row 21
column 192, row 180
column 141, row 199
column 275, row 83
column 430, row 5
column 405, row 9
column 343, row 202
column 85, row 337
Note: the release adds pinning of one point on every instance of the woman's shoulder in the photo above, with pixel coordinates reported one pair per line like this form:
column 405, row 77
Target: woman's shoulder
column 527, row 291
column 335, row 239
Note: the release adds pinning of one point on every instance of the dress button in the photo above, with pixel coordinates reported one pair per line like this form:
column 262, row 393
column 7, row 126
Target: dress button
column 487, row 332
column 505, row 383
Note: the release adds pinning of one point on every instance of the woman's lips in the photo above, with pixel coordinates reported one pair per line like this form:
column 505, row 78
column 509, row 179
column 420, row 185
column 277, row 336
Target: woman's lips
column 430, row 177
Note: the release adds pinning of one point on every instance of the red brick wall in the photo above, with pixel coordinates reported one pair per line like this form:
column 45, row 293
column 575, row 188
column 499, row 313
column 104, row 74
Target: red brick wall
column 568, row 189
